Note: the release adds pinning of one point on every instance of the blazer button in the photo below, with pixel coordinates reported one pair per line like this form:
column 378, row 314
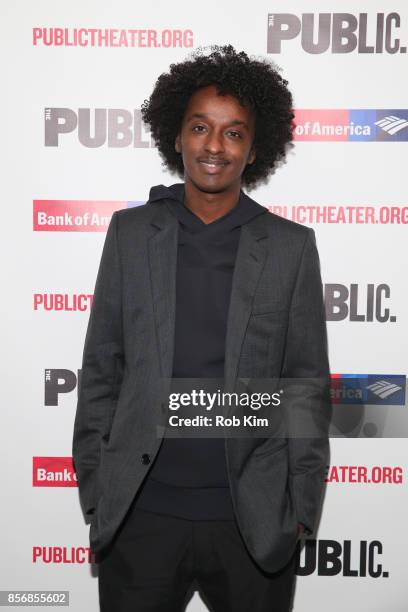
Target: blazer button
column 145, row 459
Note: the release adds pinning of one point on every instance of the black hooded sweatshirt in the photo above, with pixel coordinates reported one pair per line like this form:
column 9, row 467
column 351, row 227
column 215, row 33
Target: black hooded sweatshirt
column 189, row 476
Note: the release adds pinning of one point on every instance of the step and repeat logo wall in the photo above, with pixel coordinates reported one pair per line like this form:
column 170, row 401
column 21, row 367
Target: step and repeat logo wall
column 76, row 81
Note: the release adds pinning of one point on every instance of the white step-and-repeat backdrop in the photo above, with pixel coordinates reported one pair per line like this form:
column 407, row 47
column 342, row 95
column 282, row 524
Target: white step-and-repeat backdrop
column 73, row 77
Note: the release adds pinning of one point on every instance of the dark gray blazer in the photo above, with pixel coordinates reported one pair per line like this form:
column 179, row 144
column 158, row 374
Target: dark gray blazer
column 276, row 328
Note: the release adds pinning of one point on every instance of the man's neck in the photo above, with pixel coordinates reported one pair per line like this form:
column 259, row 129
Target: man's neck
column 210, row 206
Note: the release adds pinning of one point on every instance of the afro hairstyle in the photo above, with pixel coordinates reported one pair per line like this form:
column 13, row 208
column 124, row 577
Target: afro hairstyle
column 256, row 82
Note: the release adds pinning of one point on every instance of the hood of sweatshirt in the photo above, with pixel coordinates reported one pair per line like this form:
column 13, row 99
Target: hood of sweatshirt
column 173, row 196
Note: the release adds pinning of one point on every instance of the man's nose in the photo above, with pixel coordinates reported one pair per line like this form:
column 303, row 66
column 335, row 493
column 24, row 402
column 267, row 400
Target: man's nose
column 214, row 143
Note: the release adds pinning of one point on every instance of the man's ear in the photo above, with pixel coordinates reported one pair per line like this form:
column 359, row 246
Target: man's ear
column 251, row 156
column 177, row 145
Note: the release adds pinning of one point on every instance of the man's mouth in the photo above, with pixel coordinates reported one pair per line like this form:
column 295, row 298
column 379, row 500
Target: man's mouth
column 213, row 165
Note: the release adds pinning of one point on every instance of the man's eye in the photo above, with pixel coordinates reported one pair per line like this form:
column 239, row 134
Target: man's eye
column 198, row 128
column 234, row 134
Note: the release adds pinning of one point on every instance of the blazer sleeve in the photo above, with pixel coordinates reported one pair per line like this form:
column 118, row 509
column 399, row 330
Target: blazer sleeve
column 102, row 371
column 306, row 374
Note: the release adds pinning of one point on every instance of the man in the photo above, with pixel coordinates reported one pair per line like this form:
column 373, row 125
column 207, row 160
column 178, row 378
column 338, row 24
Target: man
column 203, row 283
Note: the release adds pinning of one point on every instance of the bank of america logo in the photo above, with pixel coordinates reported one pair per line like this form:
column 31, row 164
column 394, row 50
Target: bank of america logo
column 392, row 124
column 384, row 388
column 365, row 125
column 368, row 389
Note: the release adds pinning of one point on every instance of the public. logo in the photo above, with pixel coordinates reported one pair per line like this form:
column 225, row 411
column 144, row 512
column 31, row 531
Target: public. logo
column 317, row 33
column 114, row 127
column 360, row 559
column 59, row 381
column 358, row 303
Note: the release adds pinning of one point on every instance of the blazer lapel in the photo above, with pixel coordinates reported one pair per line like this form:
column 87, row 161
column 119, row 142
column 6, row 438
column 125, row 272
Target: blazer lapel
column 163, row 267
column 248, row 267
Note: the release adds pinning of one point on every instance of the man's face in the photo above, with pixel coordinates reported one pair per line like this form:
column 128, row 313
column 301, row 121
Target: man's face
column 215, row 141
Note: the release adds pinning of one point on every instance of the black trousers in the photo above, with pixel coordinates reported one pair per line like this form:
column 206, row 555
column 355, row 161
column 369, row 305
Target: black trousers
column 156, row 562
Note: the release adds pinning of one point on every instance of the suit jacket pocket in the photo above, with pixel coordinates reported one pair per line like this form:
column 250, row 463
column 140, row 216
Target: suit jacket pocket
column 272, row 309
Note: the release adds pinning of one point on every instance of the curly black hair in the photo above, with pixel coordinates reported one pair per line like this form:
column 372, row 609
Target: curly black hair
column 256, row 82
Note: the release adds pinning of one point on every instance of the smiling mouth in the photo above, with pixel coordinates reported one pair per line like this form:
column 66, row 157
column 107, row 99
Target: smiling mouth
column 212, row 165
